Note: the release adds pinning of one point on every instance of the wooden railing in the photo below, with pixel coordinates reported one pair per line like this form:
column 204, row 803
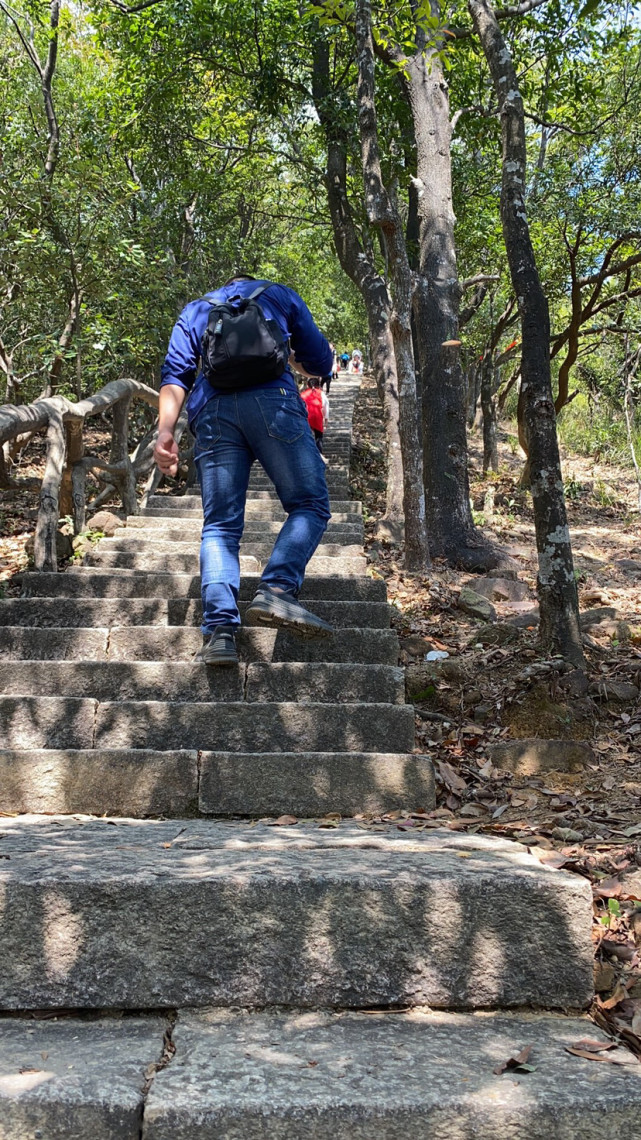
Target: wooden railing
column 63, row 490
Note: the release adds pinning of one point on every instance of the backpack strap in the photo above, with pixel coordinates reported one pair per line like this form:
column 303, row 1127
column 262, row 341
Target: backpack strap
column 252, row 296
column 261, row 289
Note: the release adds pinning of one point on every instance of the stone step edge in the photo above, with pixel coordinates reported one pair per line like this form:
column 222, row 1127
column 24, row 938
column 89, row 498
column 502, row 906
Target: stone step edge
column 84, row 722
column 189, row 584
column 99, row 642
column 254, row 682
column 274, row 1071
column 304, row 917
column 142, row 783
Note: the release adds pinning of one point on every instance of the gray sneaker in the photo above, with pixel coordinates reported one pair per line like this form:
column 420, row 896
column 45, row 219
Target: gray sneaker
column 283, row 611
column 219, row 648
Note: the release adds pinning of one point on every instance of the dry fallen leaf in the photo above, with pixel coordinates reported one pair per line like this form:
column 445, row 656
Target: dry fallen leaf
column 451, row 778
column 284, row 821
column 518, row 1063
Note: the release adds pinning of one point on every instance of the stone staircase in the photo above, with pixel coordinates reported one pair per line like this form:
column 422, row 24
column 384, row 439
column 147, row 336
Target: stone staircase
column 176, row 970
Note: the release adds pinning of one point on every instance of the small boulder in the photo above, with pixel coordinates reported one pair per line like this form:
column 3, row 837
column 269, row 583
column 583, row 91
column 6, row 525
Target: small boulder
column 623, row 691
column 524, row 620
column 501, row 633
column 106, row 521
column 630, row 565
column 415, row 645
column 476, row 605
column 499, row 589
column 595, row 616
column 504, row 572
column 64, row 546
column 533, row 756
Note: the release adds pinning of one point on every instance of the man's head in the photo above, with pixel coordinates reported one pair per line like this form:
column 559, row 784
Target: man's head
column 314, row 381
column 240, row 277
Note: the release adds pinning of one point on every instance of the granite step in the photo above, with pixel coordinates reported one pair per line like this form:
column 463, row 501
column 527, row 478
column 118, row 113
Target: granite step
column 182, row 533
column 177, row 529
column 159, row 914
column 65, row 611
column 139, row 541
column 187, row 563
column 354, row 1076
column 269, row 513
column 304, row 682
column 181, row 644
column 338, row 495
column 351, row 1076
column 86, row 581
column 167, row 504
column 244, row 726
column 140, row 782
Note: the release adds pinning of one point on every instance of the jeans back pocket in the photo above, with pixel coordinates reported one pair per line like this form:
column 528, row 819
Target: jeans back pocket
column 284, row 417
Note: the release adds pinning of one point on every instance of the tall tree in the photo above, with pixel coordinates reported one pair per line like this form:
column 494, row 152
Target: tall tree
column 556, row 581
column 383, row 212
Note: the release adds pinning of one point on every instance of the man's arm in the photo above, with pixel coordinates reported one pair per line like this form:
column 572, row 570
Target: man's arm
column 310, row 347
column 170, row 402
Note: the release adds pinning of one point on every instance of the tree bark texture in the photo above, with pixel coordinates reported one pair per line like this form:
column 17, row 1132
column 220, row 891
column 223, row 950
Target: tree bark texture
column 559, row 623
column 382, row 212
column 359, row 267
column 488, row 407
column 436, row 307
column 45, row 542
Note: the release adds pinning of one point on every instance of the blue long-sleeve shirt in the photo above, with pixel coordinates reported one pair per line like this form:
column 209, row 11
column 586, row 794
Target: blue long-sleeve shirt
column 279, row 303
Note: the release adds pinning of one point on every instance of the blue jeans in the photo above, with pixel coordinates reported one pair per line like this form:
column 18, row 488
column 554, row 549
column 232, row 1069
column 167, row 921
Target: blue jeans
column 231, row 432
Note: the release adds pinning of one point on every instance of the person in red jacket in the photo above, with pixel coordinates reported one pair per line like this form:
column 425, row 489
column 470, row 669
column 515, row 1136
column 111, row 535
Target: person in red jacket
column 317, row 410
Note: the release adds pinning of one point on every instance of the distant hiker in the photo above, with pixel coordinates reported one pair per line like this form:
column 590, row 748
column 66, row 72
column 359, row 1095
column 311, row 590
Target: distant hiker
column 356, row 363
column 344, row 360
column 244, row 405
column 326, row 381
column 317, row 410
column 334, row 361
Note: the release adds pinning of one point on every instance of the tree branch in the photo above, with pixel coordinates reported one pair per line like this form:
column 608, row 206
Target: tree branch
column 501, row 14
column 130, row 11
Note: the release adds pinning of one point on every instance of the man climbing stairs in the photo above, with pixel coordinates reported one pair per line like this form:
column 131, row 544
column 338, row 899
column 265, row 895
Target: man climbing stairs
column 174, row 966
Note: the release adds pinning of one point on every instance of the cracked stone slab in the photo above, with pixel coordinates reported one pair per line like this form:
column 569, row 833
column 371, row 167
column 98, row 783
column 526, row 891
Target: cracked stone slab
column 314, row 783
column 99, row 781
column 74, row 1079
column 151, row 914
column 284, row 726
column 309, row 1076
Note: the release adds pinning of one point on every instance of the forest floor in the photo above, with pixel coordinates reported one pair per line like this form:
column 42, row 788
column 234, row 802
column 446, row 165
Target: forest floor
column 576, row 806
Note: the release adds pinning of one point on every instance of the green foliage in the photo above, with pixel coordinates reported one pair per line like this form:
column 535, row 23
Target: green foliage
column 170, row 177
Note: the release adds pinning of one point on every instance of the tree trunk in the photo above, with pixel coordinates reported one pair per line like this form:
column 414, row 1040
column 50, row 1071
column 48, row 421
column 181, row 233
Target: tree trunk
column 382, row 212
column 384, row 369
column 488, row 407
column 436, row 306
column 359, row 267
column 559, row 625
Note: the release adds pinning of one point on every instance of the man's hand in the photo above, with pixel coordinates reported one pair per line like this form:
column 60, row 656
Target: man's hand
column 166, row 453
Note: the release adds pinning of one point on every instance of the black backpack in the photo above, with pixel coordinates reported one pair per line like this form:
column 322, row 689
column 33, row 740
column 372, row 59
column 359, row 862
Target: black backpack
column 241, row 347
